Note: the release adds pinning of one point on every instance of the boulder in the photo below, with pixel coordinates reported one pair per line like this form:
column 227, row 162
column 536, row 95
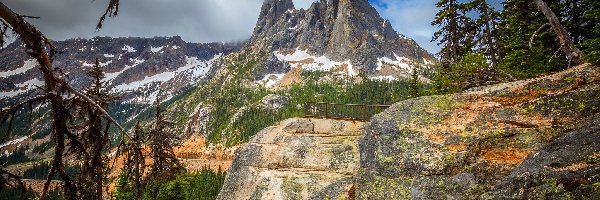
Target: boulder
column 292, row 161
column 502, row 141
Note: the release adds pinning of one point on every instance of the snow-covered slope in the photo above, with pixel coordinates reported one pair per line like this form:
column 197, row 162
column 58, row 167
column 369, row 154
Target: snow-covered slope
column 136, row 68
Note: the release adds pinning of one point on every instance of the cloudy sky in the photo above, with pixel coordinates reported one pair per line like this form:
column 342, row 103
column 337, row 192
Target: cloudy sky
column 196, row 20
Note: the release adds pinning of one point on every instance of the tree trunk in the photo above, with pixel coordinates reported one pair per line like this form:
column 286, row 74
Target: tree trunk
column 568, row 47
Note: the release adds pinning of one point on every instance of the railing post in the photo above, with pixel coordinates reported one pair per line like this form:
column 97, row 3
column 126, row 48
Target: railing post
column 326, row 111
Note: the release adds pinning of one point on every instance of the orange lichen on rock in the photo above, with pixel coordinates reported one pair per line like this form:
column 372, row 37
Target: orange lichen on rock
column 524, row 96
column 575, row 167
column 194, row 155
column 456, row 147
column 505, row 156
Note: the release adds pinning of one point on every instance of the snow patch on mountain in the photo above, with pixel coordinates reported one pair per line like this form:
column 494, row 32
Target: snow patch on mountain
column 13, row 142
column 23, row 88
column 102, row 64
column 29, row 64
column 156, row 49
column 194, row 67
column 383, row 78
column 270, row 80
column 31, row 84
column 128, row 49
column 112, row 76
column 428, row 62
column 109, row 55
column 402, row 62
column 11, row 93
column 301, row 58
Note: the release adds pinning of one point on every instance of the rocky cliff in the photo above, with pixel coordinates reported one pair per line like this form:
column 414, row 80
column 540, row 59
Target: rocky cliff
column 532, row 139
column 297, row 159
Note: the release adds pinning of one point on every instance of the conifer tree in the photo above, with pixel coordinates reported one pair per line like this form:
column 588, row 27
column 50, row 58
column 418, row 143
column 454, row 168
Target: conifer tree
column 487, row 33
column 526, row 46
column 566, row 44
column 57, row 93
column 161, row 139
column 413, row 87
column 457, row 31
column 134, row 164
column 93, row 136
column 591, row 26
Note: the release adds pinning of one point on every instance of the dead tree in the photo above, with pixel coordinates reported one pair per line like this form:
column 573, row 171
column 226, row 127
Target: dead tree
column 162, row 140
column 56, row 92
column 573, row 54
column 93, row 135
column 134, row 163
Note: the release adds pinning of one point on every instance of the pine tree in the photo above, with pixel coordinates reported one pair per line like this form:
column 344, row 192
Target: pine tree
column 527, row 47
column 457, row 31
column 93, row 136
column 413, row 86
column 591, row 26
column 487, row 32
column 572, row 17
column 165, row 165
column 134, row 164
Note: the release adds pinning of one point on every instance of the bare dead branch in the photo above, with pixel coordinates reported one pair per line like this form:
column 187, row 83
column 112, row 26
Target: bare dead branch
column 574, row 55
column 48, row 181
column 111, row 10
column 8, row 178
column 556, row 53
column 538, row 31
column 28, row 16
column 92, row 102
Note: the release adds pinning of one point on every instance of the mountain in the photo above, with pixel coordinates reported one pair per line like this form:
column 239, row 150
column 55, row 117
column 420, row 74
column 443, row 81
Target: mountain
column 139, row 70
column 347, row 36
column 136, row 68
column 338, row 51
column 334, row 51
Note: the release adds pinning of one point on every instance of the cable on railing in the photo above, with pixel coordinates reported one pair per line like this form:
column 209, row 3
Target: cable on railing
column 354, row 112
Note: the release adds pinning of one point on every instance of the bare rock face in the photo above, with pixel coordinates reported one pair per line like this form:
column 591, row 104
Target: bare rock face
column 520, row 140
column 298, row 159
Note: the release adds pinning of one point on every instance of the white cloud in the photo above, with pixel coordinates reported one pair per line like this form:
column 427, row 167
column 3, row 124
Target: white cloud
column 303, row 3
column 193, row 20
column 196, row 20
column 412, row 18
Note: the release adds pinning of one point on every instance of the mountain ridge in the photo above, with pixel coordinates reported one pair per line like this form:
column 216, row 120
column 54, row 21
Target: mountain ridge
column 340, row 30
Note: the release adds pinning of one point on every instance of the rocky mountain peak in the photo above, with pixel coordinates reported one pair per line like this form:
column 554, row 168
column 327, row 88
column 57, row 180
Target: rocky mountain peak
column 270, row 13
column 345, row 31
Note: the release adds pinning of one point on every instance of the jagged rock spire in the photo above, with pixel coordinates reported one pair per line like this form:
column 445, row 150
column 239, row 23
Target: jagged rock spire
column 271, row 12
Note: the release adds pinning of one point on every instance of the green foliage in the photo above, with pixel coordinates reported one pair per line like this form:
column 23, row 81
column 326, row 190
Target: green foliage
column 38, row 171
column 457, row 31
column 518, row 24
column 203, row 185
column 461, row 75
column 237, row 113
column 591, row 19
column 19, row 193
column 18, row 156
column 122, row 192
column 413, row 86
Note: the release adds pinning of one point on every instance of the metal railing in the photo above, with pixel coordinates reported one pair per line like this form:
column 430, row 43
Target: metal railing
column 355, row 112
